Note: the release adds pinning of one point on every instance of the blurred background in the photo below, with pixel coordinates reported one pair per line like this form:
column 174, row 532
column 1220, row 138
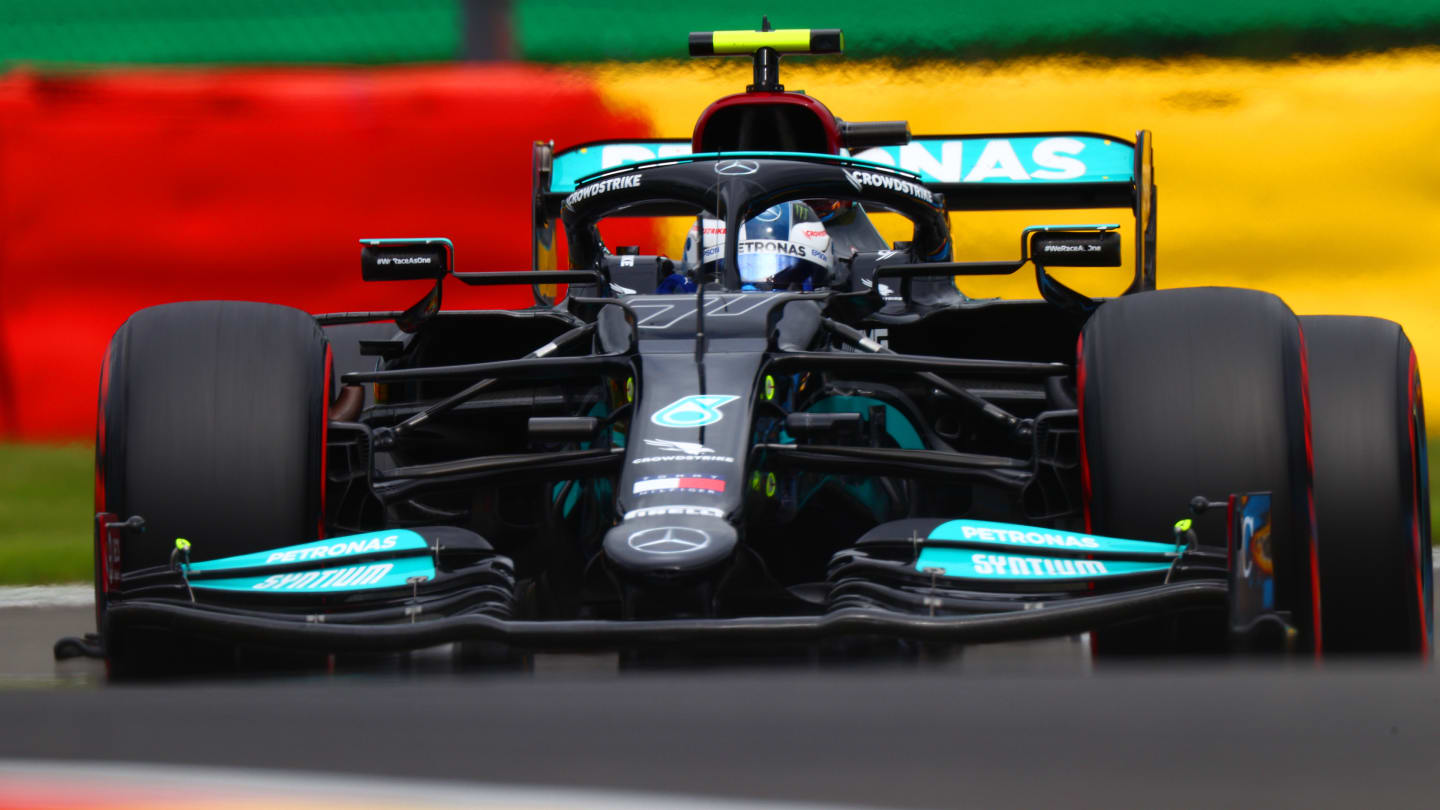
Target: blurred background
column 160, row 150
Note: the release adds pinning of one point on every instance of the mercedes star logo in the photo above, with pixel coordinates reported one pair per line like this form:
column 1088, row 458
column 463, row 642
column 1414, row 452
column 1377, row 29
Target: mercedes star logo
column 737, row 167
column 669, row 540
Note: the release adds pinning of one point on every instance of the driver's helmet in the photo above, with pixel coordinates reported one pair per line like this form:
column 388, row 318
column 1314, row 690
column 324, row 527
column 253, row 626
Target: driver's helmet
column 783, row 247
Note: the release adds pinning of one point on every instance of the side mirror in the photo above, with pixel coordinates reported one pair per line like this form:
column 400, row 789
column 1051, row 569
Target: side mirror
column 405, row 259
column 1074, row 248
column 1069, row 246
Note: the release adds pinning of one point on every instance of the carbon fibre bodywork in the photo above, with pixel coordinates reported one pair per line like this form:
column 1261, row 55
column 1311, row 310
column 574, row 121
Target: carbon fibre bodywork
column 730, row 466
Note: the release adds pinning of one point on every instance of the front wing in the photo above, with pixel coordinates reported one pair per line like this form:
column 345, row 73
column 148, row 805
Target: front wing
column 1073, row 616
column 942, row 581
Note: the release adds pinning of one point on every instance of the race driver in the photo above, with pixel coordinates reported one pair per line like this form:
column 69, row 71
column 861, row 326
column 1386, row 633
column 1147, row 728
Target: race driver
column 784, row 247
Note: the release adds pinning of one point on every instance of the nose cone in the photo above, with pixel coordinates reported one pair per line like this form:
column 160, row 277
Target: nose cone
column 670, row 546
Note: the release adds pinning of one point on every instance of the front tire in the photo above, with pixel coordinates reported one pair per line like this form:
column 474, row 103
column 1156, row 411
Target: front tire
column 212, row 427
column 1371, row 497
column 1197, row 392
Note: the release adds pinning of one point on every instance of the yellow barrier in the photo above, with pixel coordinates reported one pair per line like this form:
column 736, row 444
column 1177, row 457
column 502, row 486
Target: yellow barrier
column 1318, row 180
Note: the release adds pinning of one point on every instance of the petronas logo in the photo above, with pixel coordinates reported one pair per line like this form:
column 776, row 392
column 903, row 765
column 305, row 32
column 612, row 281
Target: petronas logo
column 696, row 410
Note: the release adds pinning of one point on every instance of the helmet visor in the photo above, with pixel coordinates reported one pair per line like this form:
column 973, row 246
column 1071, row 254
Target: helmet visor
column 777, row 261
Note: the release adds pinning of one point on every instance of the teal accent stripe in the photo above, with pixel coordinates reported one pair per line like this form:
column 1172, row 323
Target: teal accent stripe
column 408, row 241
column 1019, row 159
column 999, row 565
column 1013, row 159
column 574, row 167
column 320, row 551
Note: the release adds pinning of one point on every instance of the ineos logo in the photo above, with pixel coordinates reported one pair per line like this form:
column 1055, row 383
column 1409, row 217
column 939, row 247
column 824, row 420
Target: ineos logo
column 669, row 540
column 688, row 448
column 734, row 167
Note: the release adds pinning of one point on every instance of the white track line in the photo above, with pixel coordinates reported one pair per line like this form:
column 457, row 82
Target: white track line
column 256, row 788
column 47, row 596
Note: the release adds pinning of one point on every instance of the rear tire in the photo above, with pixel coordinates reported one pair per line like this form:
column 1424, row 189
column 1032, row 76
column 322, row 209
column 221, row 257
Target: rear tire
column 1371, row 497
column 212, row 428
column 1197, row 392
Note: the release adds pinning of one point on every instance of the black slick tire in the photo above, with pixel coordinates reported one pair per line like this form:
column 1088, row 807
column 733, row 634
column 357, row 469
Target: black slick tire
column 212, row 421
column 1371, row 498
column 1197, row 392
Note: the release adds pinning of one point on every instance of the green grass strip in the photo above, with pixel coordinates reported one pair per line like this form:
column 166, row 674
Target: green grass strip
column 46, row 503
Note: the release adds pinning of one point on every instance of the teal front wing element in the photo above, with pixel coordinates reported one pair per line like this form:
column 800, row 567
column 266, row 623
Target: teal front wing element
column 371, row 575
column 319, row 551
column 1027, row 159
column 999, row 565
column 988, row 534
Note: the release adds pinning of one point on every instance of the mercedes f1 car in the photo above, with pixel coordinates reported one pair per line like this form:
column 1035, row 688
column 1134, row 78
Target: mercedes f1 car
column 797, row 435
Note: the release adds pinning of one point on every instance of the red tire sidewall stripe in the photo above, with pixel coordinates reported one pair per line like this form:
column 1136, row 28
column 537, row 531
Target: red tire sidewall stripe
column 1412, row 384
column 102, row 567
column 1085, row 493
column 100, row 456
column 325, row 436
column 1314, row 540
column 1084, row 456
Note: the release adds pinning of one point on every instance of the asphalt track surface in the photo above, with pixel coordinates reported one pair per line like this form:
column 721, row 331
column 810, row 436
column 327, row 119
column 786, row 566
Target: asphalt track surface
column 1003, row 725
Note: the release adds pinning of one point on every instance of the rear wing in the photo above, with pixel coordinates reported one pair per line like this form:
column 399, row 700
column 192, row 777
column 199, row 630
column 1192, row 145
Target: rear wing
column 987, row 172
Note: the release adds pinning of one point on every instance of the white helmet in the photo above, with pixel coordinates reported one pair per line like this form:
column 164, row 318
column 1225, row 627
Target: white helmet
column 783, row 246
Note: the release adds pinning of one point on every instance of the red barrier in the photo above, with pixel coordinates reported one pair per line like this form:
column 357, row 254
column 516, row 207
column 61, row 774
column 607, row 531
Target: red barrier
column 119, row 191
